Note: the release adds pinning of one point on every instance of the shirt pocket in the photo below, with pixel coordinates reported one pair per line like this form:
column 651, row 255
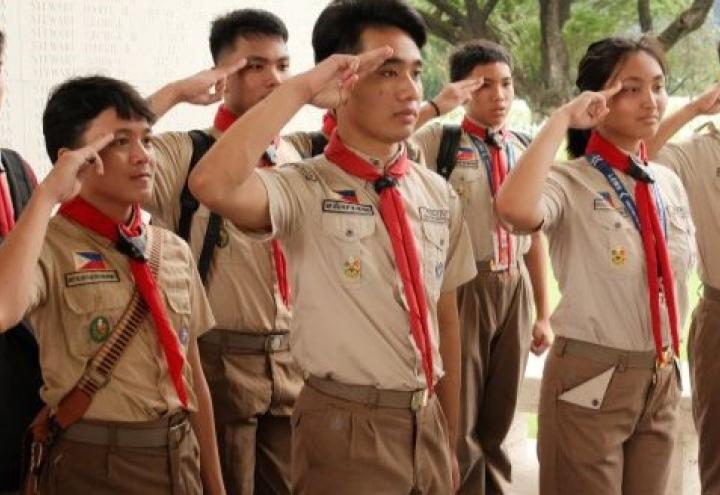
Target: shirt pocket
column 680, row 239
column 471, row 186
column 177, row 302
column 90, row 314
column 618, row 249
column 435, row 240
column 348, row 245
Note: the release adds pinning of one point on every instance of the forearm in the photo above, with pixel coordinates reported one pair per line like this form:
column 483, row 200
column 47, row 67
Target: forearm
column 518, row 200
column 536, row 262
column 427, row 113
column 19, row 255
column 204, row 427
column 164, row 99
column 668, row 127
column 448, row 389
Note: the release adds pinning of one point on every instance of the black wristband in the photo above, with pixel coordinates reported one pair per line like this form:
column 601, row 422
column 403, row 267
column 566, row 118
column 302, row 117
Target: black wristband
column 434, row 105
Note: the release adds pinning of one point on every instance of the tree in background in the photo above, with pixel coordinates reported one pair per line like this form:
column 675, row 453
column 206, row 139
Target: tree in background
column 547, row 36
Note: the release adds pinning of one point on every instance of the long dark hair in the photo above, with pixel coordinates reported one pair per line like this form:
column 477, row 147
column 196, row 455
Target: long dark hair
column 597, row 66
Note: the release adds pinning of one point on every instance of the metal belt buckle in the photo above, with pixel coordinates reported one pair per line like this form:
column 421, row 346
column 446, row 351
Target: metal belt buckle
column 419, row 400
column 97, row 377
column 273, row 343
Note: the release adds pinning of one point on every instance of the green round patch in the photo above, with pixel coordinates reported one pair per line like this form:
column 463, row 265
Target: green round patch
column 100, row 328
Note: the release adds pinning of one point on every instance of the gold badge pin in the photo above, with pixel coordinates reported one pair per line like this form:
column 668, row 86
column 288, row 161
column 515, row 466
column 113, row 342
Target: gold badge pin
column 618, row 256
column 100, row 329
column 223, row 237
column 352, row 268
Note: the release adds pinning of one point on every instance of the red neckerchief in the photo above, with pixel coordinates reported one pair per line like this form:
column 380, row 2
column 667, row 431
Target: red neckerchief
column 495, row 143
column 86, row 215
column 653, row 239
column 329, row 123
column 224, row 119
column 392, row 211
column 7, row 211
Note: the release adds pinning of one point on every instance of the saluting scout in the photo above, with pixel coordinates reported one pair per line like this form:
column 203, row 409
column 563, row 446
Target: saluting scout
column 117, row 307
column 621, row 245
column 252, row 376
column 376, row 247
column 496, row 307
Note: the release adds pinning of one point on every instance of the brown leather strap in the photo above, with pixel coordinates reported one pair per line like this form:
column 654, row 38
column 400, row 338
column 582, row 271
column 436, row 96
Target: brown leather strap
column 99, row 368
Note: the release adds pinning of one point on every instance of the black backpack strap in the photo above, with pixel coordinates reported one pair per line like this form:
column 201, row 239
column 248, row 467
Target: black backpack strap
column 19, row 180
column 188, row 204
column 447, row 154
column 212, row 237
column 319, row 141
column 523, row 138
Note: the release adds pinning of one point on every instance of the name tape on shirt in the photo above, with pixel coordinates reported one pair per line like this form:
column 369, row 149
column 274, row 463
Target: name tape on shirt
column 434, row 216
column 335, row 206
column 91, row 277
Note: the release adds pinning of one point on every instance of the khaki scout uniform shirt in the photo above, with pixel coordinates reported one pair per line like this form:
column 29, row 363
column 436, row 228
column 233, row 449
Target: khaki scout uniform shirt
column 351, row 323
column 469, row 178
column 598, row 257
column 73, row 308
column 697, row 163
column 242, row 286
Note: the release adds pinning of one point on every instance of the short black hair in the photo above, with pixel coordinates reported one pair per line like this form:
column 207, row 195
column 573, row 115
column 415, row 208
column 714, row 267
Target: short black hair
column 73, row 104
column 476, row 52
column 246, row 23
column 342, row 22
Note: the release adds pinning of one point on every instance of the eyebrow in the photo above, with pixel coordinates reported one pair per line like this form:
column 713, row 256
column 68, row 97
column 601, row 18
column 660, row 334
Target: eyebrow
column 127, row 130
column 490, row 79
column 265, row 60
column 402, row 61
column 659, row 77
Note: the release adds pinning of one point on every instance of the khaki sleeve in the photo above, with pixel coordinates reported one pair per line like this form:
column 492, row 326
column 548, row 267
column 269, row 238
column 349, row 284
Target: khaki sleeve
column 678, row 157
column 40, row 288
column 173, row 151
column 284, row 185
column 554, row 200
column 427, row 141
column 460, row 262
column 201, row 316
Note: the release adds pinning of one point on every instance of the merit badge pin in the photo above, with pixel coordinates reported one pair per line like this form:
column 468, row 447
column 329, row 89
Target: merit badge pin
column 223, row 237
column 618, row 256
column 100, row 329
column 184, row 335
column 352, row 269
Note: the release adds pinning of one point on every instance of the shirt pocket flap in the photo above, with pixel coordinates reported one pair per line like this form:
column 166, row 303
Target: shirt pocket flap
column 347, row 227
column 436, row 233
column 178, row 300
column 90, row 299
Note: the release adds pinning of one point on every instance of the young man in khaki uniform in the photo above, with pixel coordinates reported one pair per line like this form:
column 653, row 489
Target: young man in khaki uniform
column 496, row 307
column 84, row 280
column 251, row 374
column 377, row 247
column 697, row 163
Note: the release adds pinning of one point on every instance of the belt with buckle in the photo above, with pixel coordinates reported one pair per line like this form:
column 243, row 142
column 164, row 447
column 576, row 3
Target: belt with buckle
column 612, row 356
column 150, row 434
column 247, row 342
column 367, row 395
column 489, row 266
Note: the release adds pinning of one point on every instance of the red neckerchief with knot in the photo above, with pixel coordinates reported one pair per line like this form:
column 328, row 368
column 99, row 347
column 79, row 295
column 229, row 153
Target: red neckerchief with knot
column 392, row 211
column 130, row 240
column 653, row 239
column 495, row 141
column 224, row 118
column 329, row 123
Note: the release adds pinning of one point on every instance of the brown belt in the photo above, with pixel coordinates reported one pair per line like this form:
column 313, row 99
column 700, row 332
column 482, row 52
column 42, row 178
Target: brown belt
column 161, row 433
column 235, row 340
column 371, row 396
column 711, row 293
column 610, row 355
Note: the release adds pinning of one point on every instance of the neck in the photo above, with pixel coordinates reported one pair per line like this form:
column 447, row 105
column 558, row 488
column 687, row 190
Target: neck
column 484, row 125
column 365, row 144
column 118, row 212
column 629, row 145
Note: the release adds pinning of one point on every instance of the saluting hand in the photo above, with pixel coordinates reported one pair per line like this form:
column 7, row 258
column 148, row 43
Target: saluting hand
column 457, row 93
column 330, row 82
column 589, row 108
column 207, row 86
column 65, row 179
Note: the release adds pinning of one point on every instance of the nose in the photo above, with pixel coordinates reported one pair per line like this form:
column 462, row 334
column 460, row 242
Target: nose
column 410, row 88
column 140, row 153
column 274, row 76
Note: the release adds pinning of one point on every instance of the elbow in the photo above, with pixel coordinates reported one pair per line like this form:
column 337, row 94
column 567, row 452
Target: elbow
column 516, row 214
column 202, row 185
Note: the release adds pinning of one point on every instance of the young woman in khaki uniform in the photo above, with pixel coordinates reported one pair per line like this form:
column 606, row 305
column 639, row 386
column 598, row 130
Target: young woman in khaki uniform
column 621, row 247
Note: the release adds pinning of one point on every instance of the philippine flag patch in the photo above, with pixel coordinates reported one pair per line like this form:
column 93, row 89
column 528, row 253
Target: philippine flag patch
column 89, row 260
column 348, row 195
column 465, row 155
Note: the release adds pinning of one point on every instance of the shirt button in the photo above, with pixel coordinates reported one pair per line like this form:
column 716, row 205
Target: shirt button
column 442, row 242
column 349, row 232
column 595, row 403
column 618, row 225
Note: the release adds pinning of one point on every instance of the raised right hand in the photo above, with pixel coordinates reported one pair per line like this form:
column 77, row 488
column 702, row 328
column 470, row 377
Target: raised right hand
column 589, row 108
column 65, row 179
column 329, row 83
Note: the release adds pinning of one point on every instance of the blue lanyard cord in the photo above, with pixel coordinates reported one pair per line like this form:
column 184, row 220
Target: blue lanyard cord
column 625, row 197
column 482, row 149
